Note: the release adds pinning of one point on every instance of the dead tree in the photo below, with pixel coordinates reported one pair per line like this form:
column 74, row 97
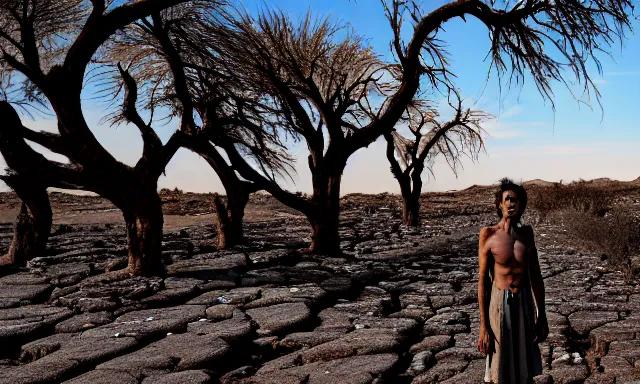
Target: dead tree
column 326, row 84
column 47, row 47
column 28, row 174
column 231, row 116
column 408, row 157
column 33, row 223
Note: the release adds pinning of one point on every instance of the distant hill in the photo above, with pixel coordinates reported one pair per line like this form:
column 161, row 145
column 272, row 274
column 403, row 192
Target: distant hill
column 538, row 182
column 603, row 180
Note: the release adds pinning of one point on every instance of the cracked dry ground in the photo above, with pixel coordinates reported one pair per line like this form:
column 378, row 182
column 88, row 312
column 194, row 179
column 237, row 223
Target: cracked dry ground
column 401, row 308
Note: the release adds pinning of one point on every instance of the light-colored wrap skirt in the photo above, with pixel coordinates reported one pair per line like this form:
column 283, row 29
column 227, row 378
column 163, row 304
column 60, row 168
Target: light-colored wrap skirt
column 515, row 358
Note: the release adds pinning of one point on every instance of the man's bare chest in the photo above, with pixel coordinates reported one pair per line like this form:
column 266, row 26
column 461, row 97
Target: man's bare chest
column 508, row 249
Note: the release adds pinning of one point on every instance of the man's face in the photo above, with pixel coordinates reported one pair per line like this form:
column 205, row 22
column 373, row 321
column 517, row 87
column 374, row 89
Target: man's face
column 510, row 205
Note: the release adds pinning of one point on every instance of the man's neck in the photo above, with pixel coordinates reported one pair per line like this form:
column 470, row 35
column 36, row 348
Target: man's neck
column 507, row 224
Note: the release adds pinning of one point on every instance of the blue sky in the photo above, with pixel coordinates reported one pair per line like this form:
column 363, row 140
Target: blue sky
column 527, row 141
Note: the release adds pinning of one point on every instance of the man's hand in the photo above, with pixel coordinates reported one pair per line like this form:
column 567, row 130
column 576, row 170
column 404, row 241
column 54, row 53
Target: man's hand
column 484, row 341
column 542, row 329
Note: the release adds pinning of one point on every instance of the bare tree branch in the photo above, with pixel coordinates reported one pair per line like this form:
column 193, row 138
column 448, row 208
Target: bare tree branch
column 177, row 69
column 151, row 141
column 22, row 159
column 100, row 27
column 51, row 141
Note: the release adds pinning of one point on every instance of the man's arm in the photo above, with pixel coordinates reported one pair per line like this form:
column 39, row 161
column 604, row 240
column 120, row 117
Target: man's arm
column 484, row 289
column 537, row 285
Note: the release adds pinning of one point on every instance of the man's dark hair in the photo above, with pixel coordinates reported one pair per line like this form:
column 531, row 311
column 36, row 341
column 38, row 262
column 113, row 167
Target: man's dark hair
column 507, row 184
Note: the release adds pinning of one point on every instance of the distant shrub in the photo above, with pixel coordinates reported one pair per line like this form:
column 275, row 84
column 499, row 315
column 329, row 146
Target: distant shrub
column 578, row 196
column 616, row 235
column 170, row 192
column 591, row 220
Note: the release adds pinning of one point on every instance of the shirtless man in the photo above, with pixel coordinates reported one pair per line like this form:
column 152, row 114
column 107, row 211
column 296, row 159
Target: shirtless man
column 511, row 321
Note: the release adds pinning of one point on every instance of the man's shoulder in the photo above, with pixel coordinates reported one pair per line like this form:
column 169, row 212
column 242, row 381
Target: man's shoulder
column 487, row 232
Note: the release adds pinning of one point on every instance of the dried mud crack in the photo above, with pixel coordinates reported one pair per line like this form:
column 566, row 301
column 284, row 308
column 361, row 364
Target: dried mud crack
column 399, row 306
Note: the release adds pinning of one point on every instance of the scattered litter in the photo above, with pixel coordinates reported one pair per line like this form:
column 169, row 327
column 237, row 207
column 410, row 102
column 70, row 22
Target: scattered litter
column 223, row 300
column 117, row 335
column 326, row 372
column 563, row 358
column 294, row 290
column 150, row 318
column 169, row 333
column 203, row 320
column 359, row 326
column 577, row 359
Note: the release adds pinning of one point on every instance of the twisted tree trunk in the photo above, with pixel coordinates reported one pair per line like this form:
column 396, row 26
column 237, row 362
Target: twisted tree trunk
column 324, row 217
column 410, row 181
column 33, row 223
column 411, row 210
column 144, row 221
column 325, row 238
column 230, row 232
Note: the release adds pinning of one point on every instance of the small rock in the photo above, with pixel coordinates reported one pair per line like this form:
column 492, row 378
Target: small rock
column 220, row 312
column 564, row 359
column 421, row 362
column 280, row 318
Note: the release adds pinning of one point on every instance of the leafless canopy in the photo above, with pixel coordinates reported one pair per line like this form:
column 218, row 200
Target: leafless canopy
column 35, row 34
column 171, row 59
column 320, row 80
column 458, row 137
column 538, row 38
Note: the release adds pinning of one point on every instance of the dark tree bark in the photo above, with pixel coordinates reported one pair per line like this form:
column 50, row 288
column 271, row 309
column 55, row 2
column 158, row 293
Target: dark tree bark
column 143, row 220
column 230, row 231
column 30, row 235
column 324, row 215
column 33, row 223
column 30, row 240
column 325, row 238
column 410, row 201
column 21, row 248
column 225, row 231
column 411, row 210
